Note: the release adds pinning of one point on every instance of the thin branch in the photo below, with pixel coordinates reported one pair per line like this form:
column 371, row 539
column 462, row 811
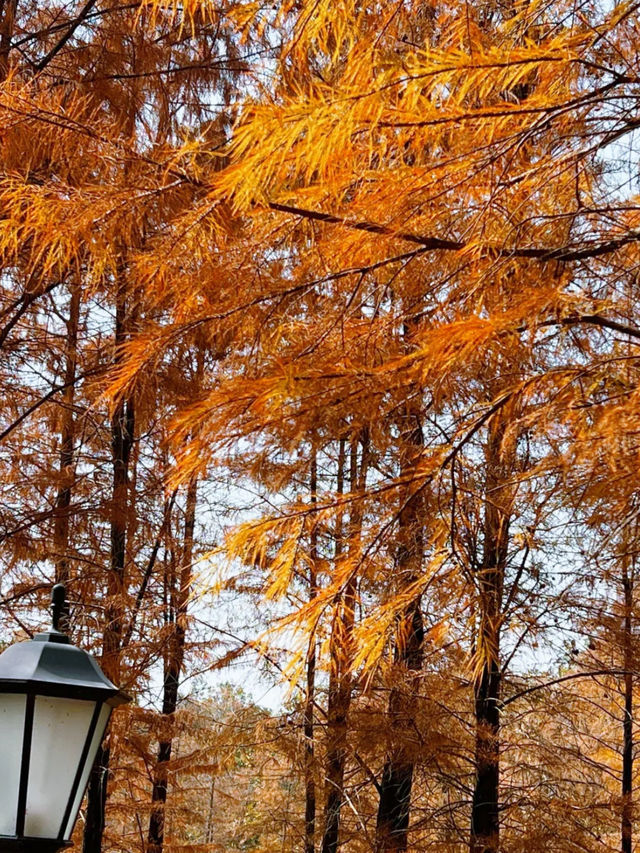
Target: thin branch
column 73, row 26
column 558, row 253
column 564, row 678
column 149, row 570
column 45, row 399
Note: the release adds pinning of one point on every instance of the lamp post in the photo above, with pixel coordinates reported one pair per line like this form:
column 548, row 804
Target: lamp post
column 55, row 703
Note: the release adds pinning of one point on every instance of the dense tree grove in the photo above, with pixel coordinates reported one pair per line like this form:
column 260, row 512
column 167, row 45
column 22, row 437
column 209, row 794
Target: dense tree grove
column 319, row 348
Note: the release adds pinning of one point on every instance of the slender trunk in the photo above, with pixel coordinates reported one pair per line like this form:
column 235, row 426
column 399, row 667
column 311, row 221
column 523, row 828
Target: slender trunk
column 341, row 655
column 179, row 595
column 485, row 825
column 67, row 438
column 485, row 818
column 309, row 746
column 122, row 437
column 8, row 10
column 627, row 729
column 397, row 776
column 210, row 823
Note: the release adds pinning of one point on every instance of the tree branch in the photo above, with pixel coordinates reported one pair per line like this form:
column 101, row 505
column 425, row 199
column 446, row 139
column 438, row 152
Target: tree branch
column 73, row 26
column 564, row 678
column 558, row 253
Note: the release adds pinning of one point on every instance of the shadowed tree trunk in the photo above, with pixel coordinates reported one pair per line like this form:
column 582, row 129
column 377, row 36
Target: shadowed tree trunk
column 67, row 468
column 210, row 829
column 178, row 594
column 309, row 746
column 341, row 655
column 627, row 732
column 8, row 10
column 122, row 438
column 397, row 776
column 485, row 817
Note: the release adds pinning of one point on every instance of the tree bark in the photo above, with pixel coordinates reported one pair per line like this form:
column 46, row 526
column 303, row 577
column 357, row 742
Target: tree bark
column 485, row 817
column 122, row 438
column 485, row 825
column 341, row 656
column 627, row 730
column 179, row 597
column 309, row 733
column 397, row 776
column 8, row 9
column 66, row 464
column 210, row 821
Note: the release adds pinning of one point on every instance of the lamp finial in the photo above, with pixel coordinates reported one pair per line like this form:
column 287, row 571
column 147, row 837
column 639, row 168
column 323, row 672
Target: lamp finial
column 58, row 598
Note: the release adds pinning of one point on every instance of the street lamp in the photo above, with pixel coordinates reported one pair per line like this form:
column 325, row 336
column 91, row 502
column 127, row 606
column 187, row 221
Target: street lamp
column 55, row 703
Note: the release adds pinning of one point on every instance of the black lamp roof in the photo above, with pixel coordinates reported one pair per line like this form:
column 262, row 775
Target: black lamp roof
column 50, row 666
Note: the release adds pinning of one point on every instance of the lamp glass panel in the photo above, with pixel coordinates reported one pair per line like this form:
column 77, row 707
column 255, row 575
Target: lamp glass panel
column 103, row 719
column 60, row 729
column 12, row 711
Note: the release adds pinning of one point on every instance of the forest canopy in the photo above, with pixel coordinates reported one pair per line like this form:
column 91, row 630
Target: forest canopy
column 319, row 329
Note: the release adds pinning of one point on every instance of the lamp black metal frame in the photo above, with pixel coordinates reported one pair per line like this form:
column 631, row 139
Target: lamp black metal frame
column 50, row 666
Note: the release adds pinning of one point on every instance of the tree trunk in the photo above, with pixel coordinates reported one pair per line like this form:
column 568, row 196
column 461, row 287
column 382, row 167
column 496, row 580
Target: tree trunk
column 122, row 437
column 485, row 825
column 397, row 777
column 485, row 817
column 179, row 595
column 309, row 746
column 8, row 10
column 341, row 655
column 67, row 437
column 627, row 730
